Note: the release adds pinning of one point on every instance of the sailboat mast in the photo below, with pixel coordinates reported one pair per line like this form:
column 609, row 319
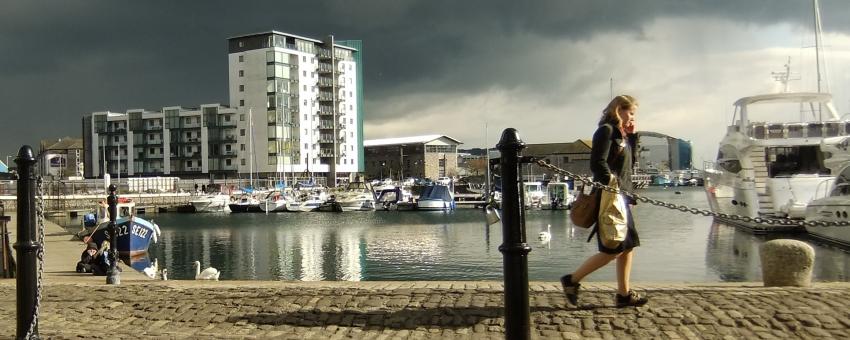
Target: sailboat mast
column 486, row 166
column 251, row 148
column 817, row 41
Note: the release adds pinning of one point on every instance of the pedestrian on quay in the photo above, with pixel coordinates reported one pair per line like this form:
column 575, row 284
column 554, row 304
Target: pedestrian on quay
column 612, row 154
column 87, row 258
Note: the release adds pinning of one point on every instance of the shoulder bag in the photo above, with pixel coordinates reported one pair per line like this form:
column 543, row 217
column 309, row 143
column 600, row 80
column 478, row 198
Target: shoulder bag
column 584, row 211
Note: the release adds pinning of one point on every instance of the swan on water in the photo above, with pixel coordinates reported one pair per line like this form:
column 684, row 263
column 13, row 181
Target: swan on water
column 208, row 274
column 545, row 236
column 151, row 271
column 164, row 274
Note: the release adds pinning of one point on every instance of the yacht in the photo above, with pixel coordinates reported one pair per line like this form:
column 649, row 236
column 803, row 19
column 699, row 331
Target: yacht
column 768, row 168
column 533, row 192
column 278, row 201
column 211, row 203
column 436, row 197
column 245, row 203
column 308, row 201
column 557, row 197
column 357, row 196
column 832, row 196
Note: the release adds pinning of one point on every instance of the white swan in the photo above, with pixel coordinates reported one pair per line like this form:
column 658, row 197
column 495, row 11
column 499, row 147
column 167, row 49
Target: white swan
column 151, row 271
column 164, row 274
column 545, row 236
column 208, row 274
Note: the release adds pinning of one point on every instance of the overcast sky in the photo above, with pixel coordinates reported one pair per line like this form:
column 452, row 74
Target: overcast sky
column 431, row 67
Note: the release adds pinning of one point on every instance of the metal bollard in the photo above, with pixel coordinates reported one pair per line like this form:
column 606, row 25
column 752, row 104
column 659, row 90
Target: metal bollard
column 113, row 276
column 28, row 244
column 514, row 248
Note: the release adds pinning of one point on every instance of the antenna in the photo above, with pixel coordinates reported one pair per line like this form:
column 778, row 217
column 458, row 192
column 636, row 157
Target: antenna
column 785, row 76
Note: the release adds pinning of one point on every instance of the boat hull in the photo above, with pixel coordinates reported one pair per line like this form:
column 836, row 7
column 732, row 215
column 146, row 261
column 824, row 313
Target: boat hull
column 429, row 204
column 134, row 236
column 829, row 209
column 244, row 208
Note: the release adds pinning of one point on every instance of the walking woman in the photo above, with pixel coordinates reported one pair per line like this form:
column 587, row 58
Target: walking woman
column 612, row 155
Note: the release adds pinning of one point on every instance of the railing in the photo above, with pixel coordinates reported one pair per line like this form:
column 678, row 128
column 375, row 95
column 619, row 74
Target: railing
column 797, row 130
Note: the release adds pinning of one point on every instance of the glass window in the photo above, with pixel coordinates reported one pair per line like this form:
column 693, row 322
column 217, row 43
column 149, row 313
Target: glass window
column 241, row 57
column 241, row 147
column 242, row 103
column 243, row 161
column 241, row 132
column 241, row 88
column 241, row 73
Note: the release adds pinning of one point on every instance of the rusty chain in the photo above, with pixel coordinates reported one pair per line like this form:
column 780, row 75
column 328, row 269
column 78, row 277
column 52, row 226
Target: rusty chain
column 683, row 208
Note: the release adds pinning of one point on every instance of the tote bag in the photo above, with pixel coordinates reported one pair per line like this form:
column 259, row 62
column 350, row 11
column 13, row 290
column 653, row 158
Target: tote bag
column 613, row 219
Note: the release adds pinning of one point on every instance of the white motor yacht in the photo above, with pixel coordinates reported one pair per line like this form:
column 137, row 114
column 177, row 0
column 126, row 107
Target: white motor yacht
column 211, row 203
column 832, row 201
column 277, row 201
column 769, row 167
column 357, row 196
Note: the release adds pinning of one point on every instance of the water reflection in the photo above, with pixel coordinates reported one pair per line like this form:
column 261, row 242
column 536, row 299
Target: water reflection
column 734, row 255
column 458, row 245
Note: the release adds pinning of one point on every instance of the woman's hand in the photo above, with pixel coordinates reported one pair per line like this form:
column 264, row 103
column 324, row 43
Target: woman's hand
column 629, row 128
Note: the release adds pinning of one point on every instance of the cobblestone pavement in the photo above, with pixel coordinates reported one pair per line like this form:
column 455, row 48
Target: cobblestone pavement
column 423, row 310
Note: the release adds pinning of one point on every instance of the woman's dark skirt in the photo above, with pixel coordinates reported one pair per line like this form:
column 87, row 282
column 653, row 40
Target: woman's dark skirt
column 632, row 239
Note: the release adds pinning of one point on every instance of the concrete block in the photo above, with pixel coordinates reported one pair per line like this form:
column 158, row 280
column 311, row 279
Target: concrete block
column 786, row 263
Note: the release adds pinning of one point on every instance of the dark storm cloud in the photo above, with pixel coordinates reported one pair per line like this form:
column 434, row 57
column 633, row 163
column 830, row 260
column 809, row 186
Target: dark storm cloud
column 64, row 59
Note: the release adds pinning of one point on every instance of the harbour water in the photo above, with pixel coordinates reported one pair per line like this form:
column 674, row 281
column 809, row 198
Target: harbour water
column 382, row 245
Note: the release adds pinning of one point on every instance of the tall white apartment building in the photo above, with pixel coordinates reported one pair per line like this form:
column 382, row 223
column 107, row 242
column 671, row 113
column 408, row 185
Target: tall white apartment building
column 187, row 142
column 304, row 98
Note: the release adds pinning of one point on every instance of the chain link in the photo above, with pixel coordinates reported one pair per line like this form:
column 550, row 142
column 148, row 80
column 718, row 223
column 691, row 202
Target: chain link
column 683, row 208
column 39, row 208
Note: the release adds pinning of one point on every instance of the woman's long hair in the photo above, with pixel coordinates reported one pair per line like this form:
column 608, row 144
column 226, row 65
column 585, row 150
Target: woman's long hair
column 611, row 114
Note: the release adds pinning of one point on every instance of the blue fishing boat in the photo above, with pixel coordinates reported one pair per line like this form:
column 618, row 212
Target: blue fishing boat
column 135, row 234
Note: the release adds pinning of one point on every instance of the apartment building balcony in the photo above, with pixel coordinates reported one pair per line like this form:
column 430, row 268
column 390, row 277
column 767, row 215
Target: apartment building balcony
column 192, row 140
column 229, row 154
column 193, row 168
column 153, row 127
column 325, row 112
column 326, row 54
column 326, row 153
column 325, row 69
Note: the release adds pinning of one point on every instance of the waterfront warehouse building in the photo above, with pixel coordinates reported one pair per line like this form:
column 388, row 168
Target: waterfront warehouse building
column 573, row 157
column 295, row 111
column 430, row 156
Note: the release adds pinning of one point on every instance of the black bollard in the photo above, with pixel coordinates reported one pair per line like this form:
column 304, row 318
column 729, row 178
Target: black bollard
column 27, row 246
column 113, row 276
column 514, row 249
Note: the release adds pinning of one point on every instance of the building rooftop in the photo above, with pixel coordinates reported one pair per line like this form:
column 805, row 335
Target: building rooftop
column 406, row 140
column 288, row 35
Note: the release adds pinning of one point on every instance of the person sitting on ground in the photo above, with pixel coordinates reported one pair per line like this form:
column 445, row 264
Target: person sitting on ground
column 87, row 258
